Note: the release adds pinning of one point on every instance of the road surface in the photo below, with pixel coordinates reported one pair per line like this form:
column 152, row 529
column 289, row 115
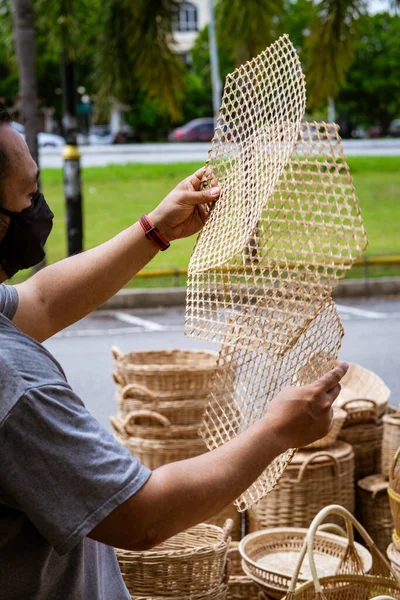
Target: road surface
column 93, row 156
column 372, row 334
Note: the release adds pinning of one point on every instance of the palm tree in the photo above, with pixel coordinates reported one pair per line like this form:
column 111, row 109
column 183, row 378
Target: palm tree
column 24, row 31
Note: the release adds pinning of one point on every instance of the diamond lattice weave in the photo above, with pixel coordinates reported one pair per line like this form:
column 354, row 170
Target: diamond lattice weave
column 285, row 229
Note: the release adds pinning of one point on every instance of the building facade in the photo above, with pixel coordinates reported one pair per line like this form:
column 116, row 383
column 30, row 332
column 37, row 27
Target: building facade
column 193, row 16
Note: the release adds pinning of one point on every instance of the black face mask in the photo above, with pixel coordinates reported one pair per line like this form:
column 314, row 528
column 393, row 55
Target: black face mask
column 22, row 246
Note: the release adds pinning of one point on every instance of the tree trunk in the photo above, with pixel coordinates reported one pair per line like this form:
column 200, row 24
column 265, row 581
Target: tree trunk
column 24, row 31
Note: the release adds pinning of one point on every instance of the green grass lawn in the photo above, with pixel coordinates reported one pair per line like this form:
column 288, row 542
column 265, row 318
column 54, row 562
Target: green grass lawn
column 116, row 196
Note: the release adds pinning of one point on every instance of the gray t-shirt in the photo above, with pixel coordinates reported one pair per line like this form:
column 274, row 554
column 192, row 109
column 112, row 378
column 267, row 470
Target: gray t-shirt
column 61, row 474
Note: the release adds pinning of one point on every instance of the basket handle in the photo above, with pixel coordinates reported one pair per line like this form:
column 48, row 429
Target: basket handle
column 149, row 414
column 311, row 458
column 393, row 465
column 118, row 425
column 131, row 388
column 117, row 353
column 333, row 528
column 367, row 400
column 227, row 529
column 118, row 378
column 351, row 523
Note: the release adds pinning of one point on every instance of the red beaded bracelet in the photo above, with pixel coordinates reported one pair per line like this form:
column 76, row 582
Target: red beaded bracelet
column 153, row 234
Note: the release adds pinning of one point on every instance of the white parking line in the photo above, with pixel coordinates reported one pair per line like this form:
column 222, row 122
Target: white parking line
column 360, row 312
column 128, row 318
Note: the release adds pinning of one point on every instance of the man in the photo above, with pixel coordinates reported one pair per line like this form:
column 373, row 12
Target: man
column 68, row 491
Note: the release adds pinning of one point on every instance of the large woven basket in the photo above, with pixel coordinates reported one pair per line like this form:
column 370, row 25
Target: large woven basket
column 229, row 512
column 361, row 385
column 394, row 494
column 390, row 441
column 240, row 585
column 179, row 372
column 219, row 593
column 179, row 411
column 366, row 439
column 373, row 510
column 338, row 420
column 191, row 562
column 393, row 555
column 151, row 425
column 349, row 583
column 155, row 453
column 311, row 481
column 270, row 556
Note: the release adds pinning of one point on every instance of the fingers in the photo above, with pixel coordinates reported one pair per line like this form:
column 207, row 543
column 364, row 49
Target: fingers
column 328, row 381
column 205, row 173
column 203, row 197
column 334, row 392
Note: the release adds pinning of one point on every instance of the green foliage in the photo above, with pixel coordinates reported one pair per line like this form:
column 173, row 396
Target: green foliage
column 371, row 94
column 331, row 46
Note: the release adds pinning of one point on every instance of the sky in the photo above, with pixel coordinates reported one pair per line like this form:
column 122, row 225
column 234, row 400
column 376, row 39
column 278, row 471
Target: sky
column 378, row 6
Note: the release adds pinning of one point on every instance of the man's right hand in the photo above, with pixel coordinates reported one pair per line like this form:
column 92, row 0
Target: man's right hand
column 302, row 415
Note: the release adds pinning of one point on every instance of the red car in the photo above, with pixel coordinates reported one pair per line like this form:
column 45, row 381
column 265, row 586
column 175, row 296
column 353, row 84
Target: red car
column 198, row 130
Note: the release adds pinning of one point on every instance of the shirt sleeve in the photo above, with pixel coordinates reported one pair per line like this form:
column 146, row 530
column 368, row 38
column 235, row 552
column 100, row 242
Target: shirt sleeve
column 8, row 300
column 61, row 467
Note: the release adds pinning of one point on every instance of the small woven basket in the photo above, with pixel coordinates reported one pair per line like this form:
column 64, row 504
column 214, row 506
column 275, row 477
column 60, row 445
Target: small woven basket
column 350, row 582
column 147, row 424
column 339, row 418
column 311, row 481
column 373, row 510
column 179, row 411
column 362, row 386
column 270, row 556
column 366, row 439
column 390, row 440
column 176, row 372
column 240, row 585
column 190, row 563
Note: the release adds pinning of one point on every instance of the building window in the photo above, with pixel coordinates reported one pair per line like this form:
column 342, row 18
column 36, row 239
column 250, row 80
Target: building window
column 187, row 18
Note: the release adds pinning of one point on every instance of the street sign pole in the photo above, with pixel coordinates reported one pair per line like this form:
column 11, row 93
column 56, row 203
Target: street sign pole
column 215, row 74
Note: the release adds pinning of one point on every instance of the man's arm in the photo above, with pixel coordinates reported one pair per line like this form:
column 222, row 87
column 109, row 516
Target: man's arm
column 65, row 292
column 182, row 494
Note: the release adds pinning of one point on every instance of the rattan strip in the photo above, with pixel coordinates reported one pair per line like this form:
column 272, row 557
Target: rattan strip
column 285, row 229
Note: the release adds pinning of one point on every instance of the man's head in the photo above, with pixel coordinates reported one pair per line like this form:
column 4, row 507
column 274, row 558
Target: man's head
column 25, row 218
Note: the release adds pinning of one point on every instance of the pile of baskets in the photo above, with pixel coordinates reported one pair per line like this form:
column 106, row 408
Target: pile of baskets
column 393, row 550
column 191, row 565
column 161, row 396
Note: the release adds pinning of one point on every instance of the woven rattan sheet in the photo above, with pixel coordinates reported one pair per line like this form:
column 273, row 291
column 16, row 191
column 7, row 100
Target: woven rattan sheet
column 285, row 229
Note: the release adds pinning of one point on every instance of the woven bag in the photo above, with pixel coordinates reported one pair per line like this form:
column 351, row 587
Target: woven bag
column 350, row 581
column 179, row 411
column 338, row 420
column 390, row 440
column 229, row 512
column 362, row 385
column 147, row 424
column 176, row 372
column 373, row 510
column 270, row 556
column 366, row 439
column 240, row 585
column 190, row 563
column 311, row 481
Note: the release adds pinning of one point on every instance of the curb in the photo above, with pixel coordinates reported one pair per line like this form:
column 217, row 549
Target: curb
column 166, row 297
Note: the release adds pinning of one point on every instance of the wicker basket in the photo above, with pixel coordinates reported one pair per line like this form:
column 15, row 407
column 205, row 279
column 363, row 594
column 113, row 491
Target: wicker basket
column 155, row 453
column 240, row 585
column 229, row 512
column 394, row 494
column 349, row 583
column 311, row 481
column 390, row 441
column 147, row 424
column 220, row 593
column 176, row 372
column 270, row 556
column 339, row 417
column 366, row 440
column 393, row 555
column 361, row 385
column 373, row 510
column 191, row 562
column 179, row 411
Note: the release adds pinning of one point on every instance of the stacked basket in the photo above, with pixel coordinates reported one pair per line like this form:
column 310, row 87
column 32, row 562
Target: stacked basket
column 394, row 500
column 161, row 396
column 189, row 566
